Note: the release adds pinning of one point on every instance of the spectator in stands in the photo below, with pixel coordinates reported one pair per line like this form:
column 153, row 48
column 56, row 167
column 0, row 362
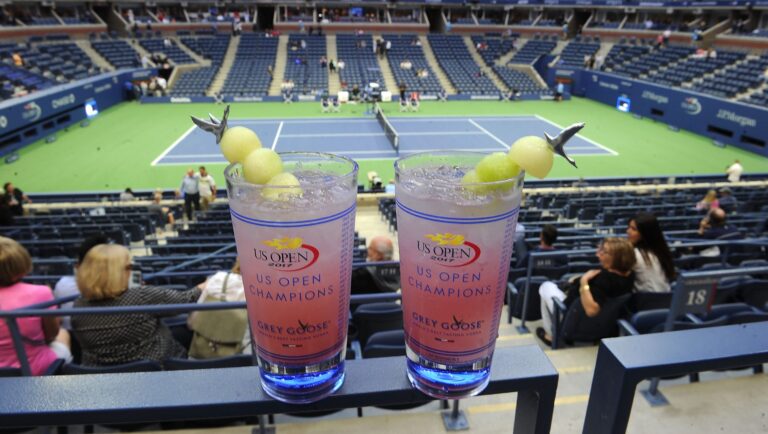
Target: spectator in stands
column 163, row 214
column 666, row 35
column 654, row 267
column 16, row 199
column 191, row 191
column 708, row 202
column 18, row 60
column 595, row 287
column 406, row 64
column 223, row 286
column 713, row 226
column 735, row 170
column 547, row 238
column 67, row 285
column 103, row 279
column 659, row 41
column 727, row 201
column 340, row 65
column 402, row 88
column 371, row 279
column 331, row 67
column 127, row 195
column 44, row 341
column 323, row 62
column 207, row 187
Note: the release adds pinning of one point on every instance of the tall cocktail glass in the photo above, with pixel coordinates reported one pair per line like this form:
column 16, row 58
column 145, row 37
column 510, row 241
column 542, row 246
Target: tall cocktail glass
column 455, row 245
column 296, row 260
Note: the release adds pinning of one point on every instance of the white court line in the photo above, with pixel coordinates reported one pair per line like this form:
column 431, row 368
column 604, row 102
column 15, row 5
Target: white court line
column 277, row 136
column 173, row 145
column 605, row 148
column 489, row 133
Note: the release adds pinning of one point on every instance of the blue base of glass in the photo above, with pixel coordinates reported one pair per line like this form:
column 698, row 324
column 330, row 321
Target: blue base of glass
column 442, row 384
column 303, row 388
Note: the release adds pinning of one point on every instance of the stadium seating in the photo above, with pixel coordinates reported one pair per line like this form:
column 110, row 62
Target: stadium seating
column 196, row 82
column 496, row 47
column 636, row 67
column 17, row 82
column 360, row 64
column 248, row 76
column 303, row 64
column 117, row 52
column 532, row 50
column 403, row 50
column 173, row 52
column 457, row 63
column 692, row 68
column 521, row 81
column 47, row 63
column 576, row 52
column 733, row 80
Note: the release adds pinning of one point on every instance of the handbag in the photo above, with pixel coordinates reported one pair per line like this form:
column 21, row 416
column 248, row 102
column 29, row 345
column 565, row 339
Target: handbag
column 217, row 333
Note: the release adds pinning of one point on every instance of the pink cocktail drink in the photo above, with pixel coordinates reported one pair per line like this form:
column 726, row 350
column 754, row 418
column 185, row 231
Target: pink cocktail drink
column 455, row 246
column 296, row 259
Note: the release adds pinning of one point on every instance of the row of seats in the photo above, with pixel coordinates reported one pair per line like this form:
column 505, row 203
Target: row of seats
column 494, row 47
column 575, row 53
column 197, row 82
column 521, row 81
column 360, row 64
column 172, row 51
column 693, row 68
column 532, row 50
column 117, row 52
column 403, row 50
column 303, row 65
column 249, row 74
column 652, row 60
column 454, row 58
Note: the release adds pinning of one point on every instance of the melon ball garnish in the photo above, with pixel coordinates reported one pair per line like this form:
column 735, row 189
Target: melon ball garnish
column 496, row 167
column 472, row 182
column 238, row 142
column 532, row 154
column 282, row 186
column 261, row 165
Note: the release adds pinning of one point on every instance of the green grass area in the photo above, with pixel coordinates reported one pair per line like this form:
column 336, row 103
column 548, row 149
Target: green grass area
column 116, row 150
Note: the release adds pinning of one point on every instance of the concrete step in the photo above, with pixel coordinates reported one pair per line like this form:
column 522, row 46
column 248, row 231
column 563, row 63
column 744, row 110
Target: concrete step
column 279, row 70
column 200, row 60
column 94, row 55
column 334, row 82
column 386, row 71
column 432, row 61
column 226, row 66
column 503, row 60
column 489, row 72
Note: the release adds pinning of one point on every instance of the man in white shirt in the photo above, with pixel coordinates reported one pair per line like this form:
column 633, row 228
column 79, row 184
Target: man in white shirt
column 207, row 187
column 734, row 171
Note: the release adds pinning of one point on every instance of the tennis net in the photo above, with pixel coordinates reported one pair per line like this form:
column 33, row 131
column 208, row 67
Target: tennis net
column 389, row 130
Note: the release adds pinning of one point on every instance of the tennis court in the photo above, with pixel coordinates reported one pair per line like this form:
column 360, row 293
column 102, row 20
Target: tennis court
column 363, row 138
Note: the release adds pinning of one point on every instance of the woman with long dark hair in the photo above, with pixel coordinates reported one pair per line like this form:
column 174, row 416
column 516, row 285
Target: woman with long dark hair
column 654, row 267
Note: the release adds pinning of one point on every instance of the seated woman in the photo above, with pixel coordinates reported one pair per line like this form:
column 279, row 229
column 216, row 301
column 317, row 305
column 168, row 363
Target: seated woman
column 103, row 278
column 654, row 266
column 44, row 341
column 595, row 287
column 708, row 202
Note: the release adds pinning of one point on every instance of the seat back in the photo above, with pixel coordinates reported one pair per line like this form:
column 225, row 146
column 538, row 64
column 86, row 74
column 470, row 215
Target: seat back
column 647, row 320
column 10, row 372
column 376, row 317
column 747, row 317
column 138, row 366
column 385, row 344
column 641, row 301
column 221, row 362
column 534, row 300
column 577, row 326
column 754, row 292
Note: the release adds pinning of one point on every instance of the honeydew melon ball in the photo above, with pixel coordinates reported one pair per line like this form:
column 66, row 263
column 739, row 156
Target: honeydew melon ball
column 238, row 142
column 496, row 167
column 471, row 182
column 276, row 187
column 261, row 165
column 533, row 154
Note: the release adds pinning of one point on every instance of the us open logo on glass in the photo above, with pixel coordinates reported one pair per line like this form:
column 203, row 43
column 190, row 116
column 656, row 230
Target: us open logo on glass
column 287, row 254
column 449, row 250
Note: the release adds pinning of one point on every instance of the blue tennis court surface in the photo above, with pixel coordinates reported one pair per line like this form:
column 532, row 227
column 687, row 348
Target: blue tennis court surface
column 364, row 138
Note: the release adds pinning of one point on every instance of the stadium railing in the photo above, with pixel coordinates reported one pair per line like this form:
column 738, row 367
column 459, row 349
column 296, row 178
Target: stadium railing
column 175, row 395
column 622, row 363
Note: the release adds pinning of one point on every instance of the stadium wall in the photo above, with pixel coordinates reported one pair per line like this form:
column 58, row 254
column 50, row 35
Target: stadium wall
column 726, row 122
column 30, row 118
